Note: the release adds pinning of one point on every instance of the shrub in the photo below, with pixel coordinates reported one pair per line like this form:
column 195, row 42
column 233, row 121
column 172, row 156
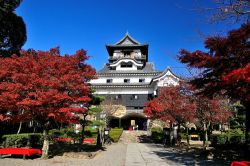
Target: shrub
column 183, row 135
column 157, row 134
column 23, row 140
column 56, row 133
column 115, row 134
column 234, row 137
column 97, row 123
column 87, row 133
column 69, row 133
column 219, row 139
column 65, row 132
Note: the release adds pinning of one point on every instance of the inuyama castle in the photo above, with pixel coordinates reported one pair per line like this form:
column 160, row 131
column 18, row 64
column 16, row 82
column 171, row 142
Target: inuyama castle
column 129, row 80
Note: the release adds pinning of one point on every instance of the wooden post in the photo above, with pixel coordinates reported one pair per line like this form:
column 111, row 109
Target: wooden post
column 120, row 122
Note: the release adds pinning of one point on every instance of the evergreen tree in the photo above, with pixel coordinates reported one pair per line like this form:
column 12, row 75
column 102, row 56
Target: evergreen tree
column 12, row 28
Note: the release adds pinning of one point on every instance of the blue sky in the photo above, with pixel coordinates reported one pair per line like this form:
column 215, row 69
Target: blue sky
column 166, row 25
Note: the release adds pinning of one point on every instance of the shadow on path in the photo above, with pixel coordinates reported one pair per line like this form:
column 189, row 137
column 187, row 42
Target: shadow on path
column 178, row 156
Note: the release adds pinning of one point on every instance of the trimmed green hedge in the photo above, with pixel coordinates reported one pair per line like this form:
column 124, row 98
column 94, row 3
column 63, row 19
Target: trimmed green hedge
column 234, row 137
column 69, row 133
column 23, row 140
column 183, row 135
column 219, row 139
column 115, row 134
column 63, row 133
column 157, row 134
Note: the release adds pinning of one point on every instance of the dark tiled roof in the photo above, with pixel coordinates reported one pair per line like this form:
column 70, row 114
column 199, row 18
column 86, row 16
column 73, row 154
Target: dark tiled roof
column 164, row 72
column 122, row 84
column 127, row 42
column 149, row 68
column 129, row 38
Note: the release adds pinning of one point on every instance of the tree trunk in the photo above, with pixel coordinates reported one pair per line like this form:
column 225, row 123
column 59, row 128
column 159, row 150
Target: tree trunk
column 247, row 133
column 45, row 149
column 107, row 121
column 20, row 126
column 178, row 137
column 83, row 128
column 34, row 128
column 99, row 141
column 187, row 132
column 205, row 135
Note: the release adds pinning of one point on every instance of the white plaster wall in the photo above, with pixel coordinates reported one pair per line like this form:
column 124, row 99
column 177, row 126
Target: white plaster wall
column 168, row 81
column 138, row 52
column 98, row 80
column 147, row 79
column 118, row 54
column 133, row 79
column 124, row 91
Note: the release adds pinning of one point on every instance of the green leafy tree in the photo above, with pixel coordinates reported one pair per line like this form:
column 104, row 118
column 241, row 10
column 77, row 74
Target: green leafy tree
column 12, row 28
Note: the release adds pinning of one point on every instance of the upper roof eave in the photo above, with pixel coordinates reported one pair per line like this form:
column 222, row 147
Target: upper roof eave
column 117, row 46
column 128, row 73
column 130, row 38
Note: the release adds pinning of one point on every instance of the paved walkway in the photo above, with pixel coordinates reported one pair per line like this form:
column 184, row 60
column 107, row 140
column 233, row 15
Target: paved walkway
column 124, row 153
column 139, row 154
column 131, row 136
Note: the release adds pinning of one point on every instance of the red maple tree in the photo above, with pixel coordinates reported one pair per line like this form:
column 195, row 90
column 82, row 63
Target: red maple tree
column 181, row 105
column 225, row 67
column 43, row 85
column 173, row 105
column 211, row 111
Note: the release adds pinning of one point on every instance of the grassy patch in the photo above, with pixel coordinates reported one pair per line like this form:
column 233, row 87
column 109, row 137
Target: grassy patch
column 115, row 134
column 157, row 134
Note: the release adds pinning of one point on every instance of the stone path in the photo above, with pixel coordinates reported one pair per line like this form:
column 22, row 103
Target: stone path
column 139, row 154
column 149, row 154
column 131, row 136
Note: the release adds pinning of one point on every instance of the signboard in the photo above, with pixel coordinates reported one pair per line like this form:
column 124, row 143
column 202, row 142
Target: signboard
column 132, row 122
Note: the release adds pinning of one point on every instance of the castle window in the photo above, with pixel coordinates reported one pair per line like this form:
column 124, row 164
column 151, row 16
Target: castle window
column 118, row 97
column 124, row 64
column 126, row 80
column 109, row 80
column 135, row 97
column 127, row 53
column 142, row 80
